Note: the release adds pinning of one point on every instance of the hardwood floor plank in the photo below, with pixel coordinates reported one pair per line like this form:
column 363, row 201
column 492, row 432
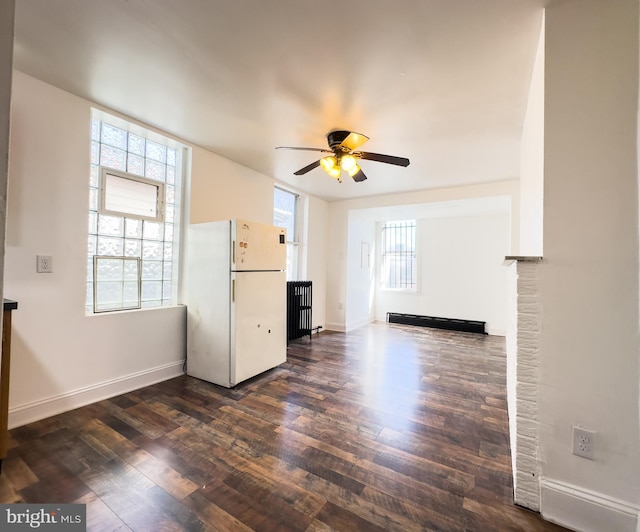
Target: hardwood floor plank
column 407, row 488
column 166, row 477
column 18, row 474
column 121, row 446
column 270, row 499
column 100, row 518
column 56, row 483
column 341, row 519
column 426, row 471
column 425, row 516
column 252, row 513
column 9, row 494
column 211, row 513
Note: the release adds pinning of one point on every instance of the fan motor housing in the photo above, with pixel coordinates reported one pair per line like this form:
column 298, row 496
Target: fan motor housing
column 335, row 138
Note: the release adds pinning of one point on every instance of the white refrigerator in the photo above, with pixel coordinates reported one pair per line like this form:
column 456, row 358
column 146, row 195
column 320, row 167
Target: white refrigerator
column 235, row 292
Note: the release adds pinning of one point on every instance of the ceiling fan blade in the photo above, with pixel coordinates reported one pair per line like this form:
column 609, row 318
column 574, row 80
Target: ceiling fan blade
column 381, row 158
column 307, row 168
column 354, row 141
column 360, row 176
column 323, row 150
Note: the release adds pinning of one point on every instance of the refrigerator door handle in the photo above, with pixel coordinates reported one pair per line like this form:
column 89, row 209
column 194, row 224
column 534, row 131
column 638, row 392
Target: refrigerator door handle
column 233, row 252
column 233, row 290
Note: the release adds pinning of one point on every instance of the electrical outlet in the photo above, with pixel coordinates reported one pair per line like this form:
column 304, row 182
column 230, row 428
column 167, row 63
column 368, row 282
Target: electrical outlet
column 583, row 442
column 44, row 264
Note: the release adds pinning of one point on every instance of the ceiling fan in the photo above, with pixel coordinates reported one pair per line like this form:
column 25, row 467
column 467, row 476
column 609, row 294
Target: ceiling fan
column 342, row 146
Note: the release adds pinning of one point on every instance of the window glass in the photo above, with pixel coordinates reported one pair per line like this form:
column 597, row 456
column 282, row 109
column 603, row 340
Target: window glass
column 116, row 283
column 284, row 211
column 285, row 215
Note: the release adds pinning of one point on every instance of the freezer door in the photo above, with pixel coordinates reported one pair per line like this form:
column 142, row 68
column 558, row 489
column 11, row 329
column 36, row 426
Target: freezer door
column 259, row 335
column 258, row 246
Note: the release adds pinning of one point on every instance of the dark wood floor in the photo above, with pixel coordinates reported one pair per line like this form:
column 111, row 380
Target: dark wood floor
column 384, row 428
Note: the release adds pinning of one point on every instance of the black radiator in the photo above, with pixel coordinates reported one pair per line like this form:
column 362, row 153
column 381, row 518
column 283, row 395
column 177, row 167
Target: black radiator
column 298, row 309
column 438, row 323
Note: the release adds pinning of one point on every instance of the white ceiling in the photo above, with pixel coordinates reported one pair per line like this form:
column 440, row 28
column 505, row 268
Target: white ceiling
column 442, row 82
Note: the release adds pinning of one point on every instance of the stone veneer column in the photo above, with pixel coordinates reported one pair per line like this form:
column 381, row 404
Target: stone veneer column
column 523, row 342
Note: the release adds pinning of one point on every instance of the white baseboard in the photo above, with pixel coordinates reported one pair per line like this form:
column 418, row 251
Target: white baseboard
column 28, row 413
column 585, row 510
column 359, row 323
column 338, row 327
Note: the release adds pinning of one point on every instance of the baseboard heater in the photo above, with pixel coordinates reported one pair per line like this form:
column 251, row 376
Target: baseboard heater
column 438, row 323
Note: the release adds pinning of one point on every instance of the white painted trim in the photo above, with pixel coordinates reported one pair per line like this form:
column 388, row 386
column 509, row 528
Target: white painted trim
column 37, row 410
column 338, row 327
column 581, row 509
column 496, row 332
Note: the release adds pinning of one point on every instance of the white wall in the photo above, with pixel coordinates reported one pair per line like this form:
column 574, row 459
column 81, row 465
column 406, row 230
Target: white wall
column 590, row 346
column 60, row 357
column 315, row 255
column 532, row 162
column 461, row 272
column 222, row 189
column 337, row 267
column 360, row 271
column 339, row 215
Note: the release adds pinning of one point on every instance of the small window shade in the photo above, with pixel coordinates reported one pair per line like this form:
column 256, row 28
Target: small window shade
column 131, row 196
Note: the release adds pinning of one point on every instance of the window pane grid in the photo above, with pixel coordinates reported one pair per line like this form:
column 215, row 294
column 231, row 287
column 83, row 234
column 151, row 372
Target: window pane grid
column 399, row 254
column 151, row 243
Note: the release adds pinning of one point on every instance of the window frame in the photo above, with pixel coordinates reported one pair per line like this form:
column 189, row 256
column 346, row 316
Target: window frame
column 96, row 259
column 160, row 249
column 160, row 195
column 383, row 254
column 293, row 242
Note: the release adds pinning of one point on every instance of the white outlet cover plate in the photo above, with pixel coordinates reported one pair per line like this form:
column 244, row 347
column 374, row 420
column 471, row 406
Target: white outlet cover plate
column 44, row 264
column 583, row 442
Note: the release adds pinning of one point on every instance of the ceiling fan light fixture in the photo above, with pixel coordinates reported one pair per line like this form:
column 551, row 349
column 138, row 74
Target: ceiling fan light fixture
column 328, row 163
column 335, row 172
column 348, row 162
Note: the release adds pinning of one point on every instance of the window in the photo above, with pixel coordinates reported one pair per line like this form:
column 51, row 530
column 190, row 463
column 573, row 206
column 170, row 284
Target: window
column 129, row 195
column 134, row 200
column 118, row 283
column 399, row 255
column 285, row 215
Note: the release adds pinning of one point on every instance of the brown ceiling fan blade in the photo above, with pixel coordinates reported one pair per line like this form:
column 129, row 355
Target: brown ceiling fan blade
column 360, row 176
column 307, row 168
column 323, row 150
column 381, row 158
